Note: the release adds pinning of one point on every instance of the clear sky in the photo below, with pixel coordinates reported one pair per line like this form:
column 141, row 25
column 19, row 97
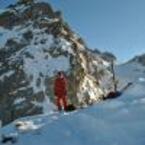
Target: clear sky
column 117, row 26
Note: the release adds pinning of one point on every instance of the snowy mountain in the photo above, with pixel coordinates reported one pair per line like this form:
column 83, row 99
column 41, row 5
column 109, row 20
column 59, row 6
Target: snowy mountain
column 35, row 43
column 139, row 59
column 113, row 122
column 132, row 71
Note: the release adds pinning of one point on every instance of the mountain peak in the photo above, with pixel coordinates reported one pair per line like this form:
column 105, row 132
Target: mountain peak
column 20, row 13
column 139, row 59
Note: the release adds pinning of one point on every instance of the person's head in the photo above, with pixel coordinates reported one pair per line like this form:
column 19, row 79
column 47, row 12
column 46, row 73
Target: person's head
column 60, row 74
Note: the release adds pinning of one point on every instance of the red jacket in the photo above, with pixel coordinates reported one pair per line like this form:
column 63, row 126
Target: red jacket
column 60, row 87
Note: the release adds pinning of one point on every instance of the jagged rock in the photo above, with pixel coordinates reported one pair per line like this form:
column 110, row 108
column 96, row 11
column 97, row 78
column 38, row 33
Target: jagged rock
column 42, row 44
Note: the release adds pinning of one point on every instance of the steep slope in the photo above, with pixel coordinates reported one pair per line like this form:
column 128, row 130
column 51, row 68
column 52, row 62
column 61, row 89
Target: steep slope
column 35, row 43
column 139, row 59
column 113, row 122
column 132, row 71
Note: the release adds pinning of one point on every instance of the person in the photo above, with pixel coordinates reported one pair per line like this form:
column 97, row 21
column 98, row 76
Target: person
column 60, row 91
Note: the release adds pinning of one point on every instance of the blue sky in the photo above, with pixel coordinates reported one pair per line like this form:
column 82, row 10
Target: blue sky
column 117, row 26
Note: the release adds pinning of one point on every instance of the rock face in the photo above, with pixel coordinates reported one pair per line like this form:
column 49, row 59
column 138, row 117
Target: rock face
column 35, row 43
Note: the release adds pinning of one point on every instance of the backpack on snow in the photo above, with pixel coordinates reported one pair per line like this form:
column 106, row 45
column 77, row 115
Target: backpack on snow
column 70, row 107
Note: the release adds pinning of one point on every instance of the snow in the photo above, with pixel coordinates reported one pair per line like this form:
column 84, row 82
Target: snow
column 113, row 122
column 126, row 71
column 49, row 20
column 108, row 123
column 8, row 74
column 22, row 88
column 86, row 89
column 19, row 101
column 47, row 105
column 6, row 35
column 46, row 67
column 141, row 79
column 15, row 34
column 42, row 62
column 21, row 8
column 26, row 126
column 66, row 46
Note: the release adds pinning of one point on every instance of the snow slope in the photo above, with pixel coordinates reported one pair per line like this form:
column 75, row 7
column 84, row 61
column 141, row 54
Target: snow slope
column 113, row 122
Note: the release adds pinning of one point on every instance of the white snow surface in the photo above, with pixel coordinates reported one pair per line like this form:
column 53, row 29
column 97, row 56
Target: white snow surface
column 113, row 122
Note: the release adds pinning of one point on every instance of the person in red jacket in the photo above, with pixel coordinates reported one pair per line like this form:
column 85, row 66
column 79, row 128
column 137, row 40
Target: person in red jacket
column 60, row 91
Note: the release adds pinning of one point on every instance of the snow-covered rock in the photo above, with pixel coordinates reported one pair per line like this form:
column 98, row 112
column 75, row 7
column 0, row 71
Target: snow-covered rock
column 35, row 43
